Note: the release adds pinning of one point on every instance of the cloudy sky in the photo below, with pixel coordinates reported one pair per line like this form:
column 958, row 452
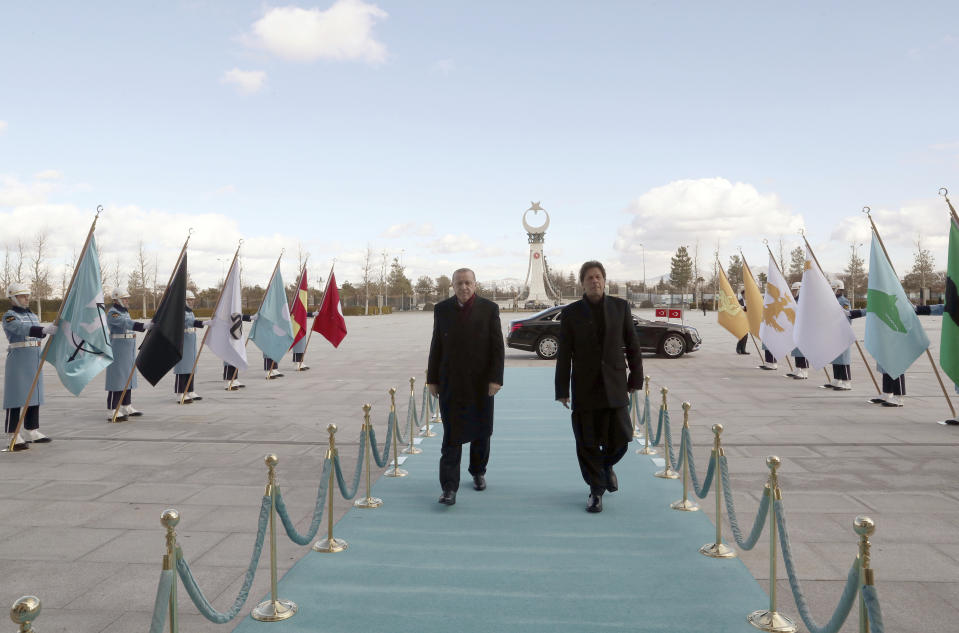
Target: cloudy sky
column 425, row 129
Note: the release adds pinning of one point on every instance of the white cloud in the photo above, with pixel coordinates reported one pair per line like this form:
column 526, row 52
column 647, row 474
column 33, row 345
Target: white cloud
column 444, row 66
column 923, row 220
column 3, row 126
column 14, row 193
column 246, row 81
column 450, row 243
column 707, row 210
column 342, row 32
column 409, row 228
column 48, row 174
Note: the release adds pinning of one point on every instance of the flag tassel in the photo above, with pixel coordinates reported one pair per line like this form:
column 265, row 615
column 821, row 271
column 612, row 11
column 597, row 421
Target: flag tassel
column 858, row 346
column 189, row 382
column 46, row 347
column 875, row 229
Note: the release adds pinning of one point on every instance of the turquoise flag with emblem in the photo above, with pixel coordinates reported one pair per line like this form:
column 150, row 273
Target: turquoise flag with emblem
column 894, row 336
column 273, row 331
column 81, row 347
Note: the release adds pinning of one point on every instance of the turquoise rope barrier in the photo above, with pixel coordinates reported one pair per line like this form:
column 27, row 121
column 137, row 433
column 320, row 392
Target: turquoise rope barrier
column 397, row 429
column 659, row 430
column 871, row 598
column 356, row 475
column 669, row 436
column 757, row 530
column 848, row 593
column 382, row 459
column 427, row 401
column 411, row 415
column 296, row 537
column 189, row 582
column 701, row 492
column 162, row 604
column 645, row 422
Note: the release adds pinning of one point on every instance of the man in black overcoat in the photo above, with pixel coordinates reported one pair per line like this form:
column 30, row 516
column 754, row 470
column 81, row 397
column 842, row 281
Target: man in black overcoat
column 465, row 371
column 597, row 341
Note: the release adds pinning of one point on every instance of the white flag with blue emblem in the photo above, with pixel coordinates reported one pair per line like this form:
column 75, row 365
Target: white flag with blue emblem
column 273, row 331
column 225, row 338
column 81, row 347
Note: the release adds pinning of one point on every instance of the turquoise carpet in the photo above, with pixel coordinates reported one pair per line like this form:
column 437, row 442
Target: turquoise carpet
column 523, row 555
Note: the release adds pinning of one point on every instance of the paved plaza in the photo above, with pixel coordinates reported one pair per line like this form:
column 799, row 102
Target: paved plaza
column 80, row 517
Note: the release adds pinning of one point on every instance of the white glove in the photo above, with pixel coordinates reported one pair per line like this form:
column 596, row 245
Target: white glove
column 50, row 329
column 147, row 326
column 253, row 318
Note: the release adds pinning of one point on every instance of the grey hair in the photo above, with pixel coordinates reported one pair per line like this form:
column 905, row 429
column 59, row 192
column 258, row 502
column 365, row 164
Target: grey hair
column 463, row 270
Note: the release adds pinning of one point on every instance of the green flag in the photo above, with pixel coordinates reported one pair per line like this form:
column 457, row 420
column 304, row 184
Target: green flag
column 949, row 344
column 894, row 336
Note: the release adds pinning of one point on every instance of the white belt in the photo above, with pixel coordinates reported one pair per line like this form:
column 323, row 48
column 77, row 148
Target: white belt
column 115, row 336
column 189, row 330
column 24, row 344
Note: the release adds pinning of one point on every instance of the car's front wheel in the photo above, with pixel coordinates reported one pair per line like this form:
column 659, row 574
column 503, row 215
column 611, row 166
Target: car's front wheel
column 547, row 347
column 672, row 346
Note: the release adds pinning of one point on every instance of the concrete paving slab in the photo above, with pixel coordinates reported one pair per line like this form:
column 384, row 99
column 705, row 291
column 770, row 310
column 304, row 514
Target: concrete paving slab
column 65, row 543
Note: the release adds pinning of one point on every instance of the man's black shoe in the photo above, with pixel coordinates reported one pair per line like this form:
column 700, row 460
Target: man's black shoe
column 448, row 497
column 479, row 482
column 612, row 483
column 876, row 400
column 949, row 422
column 594, row 503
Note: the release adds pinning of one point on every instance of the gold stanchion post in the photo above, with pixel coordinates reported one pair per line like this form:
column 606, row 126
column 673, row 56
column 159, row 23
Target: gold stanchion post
column 864, row 527
column 427, row 432
column 24, row 611
column 369, row 501
column 395, row 470
column 169, row 519
column 331, row 545
column 412, row 449
column 685, row 504
column 437, row 416
column 647, row 449
column 637, row 423
column 717, row 549
column 771, row 620
column 274, row 609
column 667, row 472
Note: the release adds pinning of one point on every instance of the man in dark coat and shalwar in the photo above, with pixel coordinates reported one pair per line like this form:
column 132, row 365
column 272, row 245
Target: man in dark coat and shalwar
column 465, row 371
column 597, row 342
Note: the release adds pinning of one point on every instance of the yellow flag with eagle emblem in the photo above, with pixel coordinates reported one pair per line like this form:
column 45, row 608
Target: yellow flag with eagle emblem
column 731, row 315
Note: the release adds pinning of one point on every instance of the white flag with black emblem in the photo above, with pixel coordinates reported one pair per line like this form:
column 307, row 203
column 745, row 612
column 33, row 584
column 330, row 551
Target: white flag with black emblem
column 225, row 338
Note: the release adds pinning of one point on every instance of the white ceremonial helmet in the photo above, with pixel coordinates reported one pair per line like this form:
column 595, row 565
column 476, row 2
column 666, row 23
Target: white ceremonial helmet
column 838, row 285
column 16, row 288
column 796, row 285
column 190, row 295
column 119, row 293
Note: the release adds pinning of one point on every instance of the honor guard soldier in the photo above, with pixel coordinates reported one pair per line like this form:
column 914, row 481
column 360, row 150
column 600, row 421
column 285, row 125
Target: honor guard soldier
column 123, row 340
column 271, row 368
column 769, row 361
column 299, row 348
column 24, row 332
column 894, row 388
column 184, row 368
column 841, row 365
column 802, row 365
column 231, row 374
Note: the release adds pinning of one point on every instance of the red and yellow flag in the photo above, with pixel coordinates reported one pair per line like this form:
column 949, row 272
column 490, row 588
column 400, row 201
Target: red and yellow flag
column 298, row 309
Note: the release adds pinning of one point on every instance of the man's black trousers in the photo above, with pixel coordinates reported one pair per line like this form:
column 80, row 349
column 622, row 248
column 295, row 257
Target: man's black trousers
column 451, row 455
column 600, row 444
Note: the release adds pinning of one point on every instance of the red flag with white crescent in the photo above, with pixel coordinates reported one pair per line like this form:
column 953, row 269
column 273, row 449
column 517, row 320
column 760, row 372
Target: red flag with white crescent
column 329, row 320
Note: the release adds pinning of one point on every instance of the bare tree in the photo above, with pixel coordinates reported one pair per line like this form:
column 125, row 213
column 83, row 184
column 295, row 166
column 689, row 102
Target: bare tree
column 39, row 284
column 782, row 253
column 367, row 269
column 142, row 275
column 156, row 288
column 18, row 269
column 7, row 277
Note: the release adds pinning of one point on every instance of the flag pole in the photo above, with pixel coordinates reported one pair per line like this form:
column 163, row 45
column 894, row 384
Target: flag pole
column 882, row 245
column 299, row 282
column 858, row 346
column 748, row 270
column 189, row 381
column 310, row 333
column 773, row 257
column 268, row 284
column 46, row 347
column 165, row 291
